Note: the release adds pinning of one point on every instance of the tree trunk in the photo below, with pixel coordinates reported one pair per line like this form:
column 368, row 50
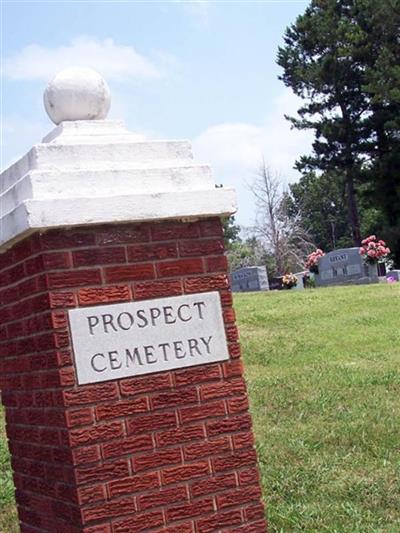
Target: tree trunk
column 354, row 219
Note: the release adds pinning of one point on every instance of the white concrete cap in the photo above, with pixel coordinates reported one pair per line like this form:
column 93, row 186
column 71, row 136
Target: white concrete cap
column 96, row 171
column 77, row 93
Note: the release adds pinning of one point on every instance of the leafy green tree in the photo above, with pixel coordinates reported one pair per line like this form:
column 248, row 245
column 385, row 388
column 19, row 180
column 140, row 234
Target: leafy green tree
column 380, row 23
column 231, row 231
column 319, row 65
column 341, row 58
column 320, row 203
column 249, row 252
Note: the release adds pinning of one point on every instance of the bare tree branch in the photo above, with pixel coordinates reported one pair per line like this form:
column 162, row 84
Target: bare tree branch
column 282, row 235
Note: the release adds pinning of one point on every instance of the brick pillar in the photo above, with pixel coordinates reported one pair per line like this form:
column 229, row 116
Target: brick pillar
column 165, row 452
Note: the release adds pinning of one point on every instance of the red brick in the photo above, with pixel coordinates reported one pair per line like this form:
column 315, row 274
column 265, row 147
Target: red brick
column 185, row 472
column 12, row 275
column 249, row 476
column 127, row 445
column 138, row 522
column 151, row 422
column 99, row 473
column 186, row 527
column 214, row 522
column 95, row 434
column 217, row 264
column 79, row 417
column 22, row 250
column 197, row 375
column 180, row 435
column 99, row 528
column 91, row 494
column 59, row 319
column 235, row 460
column 226, row 297
column 223, row 389
column 179, row 267
column 164, row 231
column 73, row 278
column 161, row 457
column 112, row 509
column 157, row 289
column 243, row 440
column 200, row 247
column 228, row 425
column 211, row 227
column 254, row 512
column 62, row 299
column 150, row 252
column 67, row 377
column 141, row 271
column 180, row 512
column 212, row 485
column 239, row 496
column 162, row 497
column 98, row 295
column 99, row 256
column 56, row 260
column 54, row 239
column 202, row 412
column 122, row 408
column 238, row 405
column 234, row 350
column 232, row 333
column 203, row 448
column 64, row 357
column 233, row 368
column 174, row 398
column 121, row 234
column 86, row 454
column 143, row 384
column 7, row 296
column 133, row 484
column 90, row 394
column 229, row 315
column 206, row 283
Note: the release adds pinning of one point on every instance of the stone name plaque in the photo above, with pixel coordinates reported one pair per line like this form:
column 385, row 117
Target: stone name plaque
column 135, row 338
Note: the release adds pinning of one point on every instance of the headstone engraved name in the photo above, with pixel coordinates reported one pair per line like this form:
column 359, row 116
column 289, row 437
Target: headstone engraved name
column 345, row 266
column 253, row 278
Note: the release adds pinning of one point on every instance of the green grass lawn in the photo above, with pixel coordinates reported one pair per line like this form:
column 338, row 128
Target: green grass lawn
column 323, row 370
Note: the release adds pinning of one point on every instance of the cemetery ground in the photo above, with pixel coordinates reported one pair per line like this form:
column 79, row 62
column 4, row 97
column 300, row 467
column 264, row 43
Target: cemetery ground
column 323, row 371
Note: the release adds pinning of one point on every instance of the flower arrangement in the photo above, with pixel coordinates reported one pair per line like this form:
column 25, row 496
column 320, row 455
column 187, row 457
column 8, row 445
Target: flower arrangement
column 373, row 250
column 313, row 259
column 289, row 281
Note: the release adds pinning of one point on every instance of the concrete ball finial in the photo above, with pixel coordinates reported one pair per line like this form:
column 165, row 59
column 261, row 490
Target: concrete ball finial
column 77, row 93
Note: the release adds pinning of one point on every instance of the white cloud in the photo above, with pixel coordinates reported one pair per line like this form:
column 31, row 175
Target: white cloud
column 114, row 61
column 235, row 150
column 18, row 135
column 199, row 9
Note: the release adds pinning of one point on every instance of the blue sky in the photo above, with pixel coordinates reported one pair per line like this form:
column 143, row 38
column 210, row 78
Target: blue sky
column 199, row 70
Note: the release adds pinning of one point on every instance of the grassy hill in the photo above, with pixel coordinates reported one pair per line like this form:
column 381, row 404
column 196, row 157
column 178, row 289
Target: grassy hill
column 323, row 371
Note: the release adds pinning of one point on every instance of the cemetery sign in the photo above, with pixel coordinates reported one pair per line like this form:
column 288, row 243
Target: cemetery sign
column 130, row 339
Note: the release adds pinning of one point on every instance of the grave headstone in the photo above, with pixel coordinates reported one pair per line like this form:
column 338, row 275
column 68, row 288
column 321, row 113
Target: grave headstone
column 395, row 274
column 121, row 375
column 345, row 266
column 246, row 279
